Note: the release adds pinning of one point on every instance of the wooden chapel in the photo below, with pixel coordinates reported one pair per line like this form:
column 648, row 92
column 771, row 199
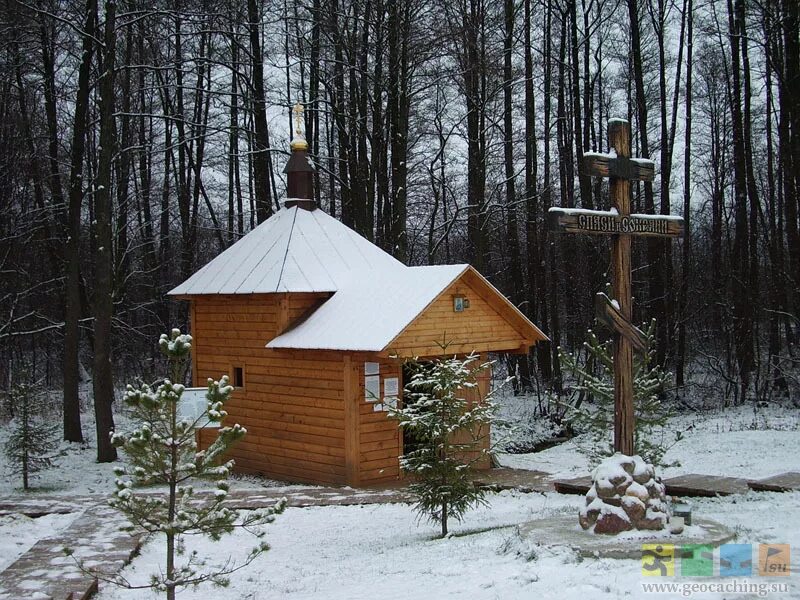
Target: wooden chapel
column 313, row 323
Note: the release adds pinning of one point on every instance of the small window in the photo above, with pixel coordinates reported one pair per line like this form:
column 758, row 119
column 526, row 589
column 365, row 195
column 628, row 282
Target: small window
column 238, row 377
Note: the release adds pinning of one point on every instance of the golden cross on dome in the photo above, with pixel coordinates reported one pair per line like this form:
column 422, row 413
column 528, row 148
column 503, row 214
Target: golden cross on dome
column 298, row 117
column 298, row 140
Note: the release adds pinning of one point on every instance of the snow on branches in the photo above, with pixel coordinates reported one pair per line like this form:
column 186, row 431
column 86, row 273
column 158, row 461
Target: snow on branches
column 163, row 451
column 447, row 435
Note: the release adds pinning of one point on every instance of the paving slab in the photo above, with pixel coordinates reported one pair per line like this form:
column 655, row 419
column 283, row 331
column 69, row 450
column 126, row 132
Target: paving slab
column 564, row 532
column 37, row 506
column 523, row 480
column 705, row 485
column 44, row 571
column 578, row 485
column 316, row 496
column 785, row 482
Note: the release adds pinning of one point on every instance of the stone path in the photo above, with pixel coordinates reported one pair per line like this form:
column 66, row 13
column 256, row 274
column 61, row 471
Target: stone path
column 44, row 571
column 578, row 486
column 519, row 479
column 38, row 506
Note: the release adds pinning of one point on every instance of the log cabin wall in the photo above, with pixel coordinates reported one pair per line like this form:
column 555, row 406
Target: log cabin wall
column 306, row 411
column 292, row 402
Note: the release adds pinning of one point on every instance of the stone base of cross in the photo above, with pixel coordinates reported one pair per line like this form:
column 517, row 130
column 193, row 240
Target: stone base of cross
column 621, row 225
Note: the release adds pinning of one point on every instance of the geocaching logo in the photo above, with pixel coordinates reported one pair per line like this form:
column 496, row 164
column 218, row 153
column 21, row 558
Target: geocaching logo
column 729, row 560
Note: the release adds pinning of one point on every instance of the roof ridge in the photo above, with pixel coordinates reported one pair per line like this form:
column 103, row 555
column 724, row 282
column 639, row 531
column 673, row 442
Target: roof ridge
column 286, row 253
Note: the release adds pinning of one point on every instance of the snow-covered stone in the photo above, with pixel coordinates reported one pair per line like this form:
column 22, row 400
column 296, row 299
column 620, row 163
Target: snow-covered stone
column 625, row 495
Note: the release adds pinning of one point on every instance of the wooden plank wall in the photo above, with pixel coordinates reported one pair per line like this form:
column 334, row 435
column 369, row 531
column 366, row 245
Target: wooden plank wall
column 380, row 438
column 479, row 328
column 292, row 401
column 482, row 435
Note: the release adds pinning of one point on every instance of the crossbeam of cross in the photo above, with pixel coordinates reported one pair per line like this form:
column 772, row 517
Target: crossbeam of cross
column 622, row 225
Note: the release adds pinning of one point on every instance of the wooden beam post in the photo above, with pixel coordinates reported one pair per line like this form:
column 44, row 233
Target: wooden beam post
column 619, row 134
column 352, row 401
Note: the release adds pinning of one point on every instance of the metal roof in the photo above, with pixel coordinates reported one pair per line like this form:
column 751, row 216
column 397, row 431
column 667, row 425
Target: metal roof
column 295, row 250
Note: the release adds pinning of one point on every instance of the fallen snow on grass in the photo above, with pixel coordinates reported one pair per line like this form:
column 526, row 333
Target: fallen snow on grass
column 380, row 551
column 19, row 532
column 77, row 472
column 736, row 442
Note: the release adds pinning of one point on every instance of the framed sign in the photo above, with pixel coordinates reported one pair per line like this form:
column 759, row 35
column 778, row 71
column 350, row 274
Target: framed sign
column 192, row 406
column 372, row 388
column 391, row 386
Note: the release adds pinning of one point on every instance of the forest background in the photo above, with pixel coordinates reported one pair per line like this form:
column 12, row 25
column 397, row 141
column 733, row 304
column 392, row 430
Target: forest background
column 140, row 139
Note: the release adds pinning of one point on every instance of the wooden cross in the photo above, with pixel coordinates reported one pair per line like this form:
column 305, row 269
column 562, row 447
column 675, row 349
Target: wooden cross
column 621, row 224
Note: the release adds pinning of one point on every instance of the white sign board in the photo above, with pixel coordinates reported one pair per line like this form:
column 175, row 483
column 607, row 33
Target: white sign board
column 372, row 388
column 193, row 405
column 390, row 402
column 372, row 368
column 391, row 386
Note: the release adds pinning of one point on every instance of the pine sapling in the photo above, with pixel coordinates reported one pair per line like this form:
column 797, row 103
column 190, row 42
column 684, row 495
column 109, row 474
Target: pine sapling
column 595, row 377
column 162, row 451
column 450, row 436
column 31, row 443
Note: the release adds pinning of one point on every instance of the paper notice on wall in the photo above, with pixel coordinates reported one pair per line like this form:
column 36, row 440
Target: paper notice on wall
column 372, row 368
column 377, row 407
column 372, row 388
column 391, row 386
column 390, row 403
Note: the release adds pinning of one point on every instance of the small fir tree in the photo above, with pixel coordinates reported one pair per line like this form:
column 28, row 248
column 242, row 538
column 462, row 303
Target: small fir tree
column 449, row 434
column 31, row 443
column 595, row 377
column 163, row 451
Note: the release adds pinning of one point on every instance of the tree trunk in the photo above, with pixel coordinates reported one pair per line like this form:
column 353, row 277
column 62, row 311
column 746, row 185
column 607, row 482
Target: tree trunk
column 653, row 245
column 515, row 282
column 103, row 380
column 260, row 157
column 72, row 414
column 686, row 258
column 444, row 518
column 743, row 326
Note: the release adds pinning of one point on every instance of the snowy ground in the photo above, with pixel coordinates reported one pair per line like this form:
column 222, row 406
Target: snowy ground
column 77, row 472
column 736, row 442
column 379, row 551
column 383, row 551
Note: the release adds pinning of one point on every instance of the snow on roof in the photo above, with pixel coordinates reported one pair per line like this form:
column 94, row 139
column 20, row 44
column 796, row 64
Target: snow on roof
column 368, row 313
column 295, row 250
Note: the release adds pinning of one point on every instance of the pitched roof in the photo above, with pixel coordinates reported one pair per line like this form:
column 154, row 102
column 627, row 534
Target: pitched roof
column 375, row 297
column 295, row 250
column 368, row 313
